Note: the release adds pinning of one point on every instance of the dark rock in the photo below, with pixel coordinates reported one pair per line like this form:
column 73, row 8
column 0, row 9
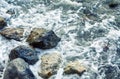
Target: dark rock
column 78, row 1
column 113, row 5
column 18, row 69
column 118, row 51
column 1, row 67
column 13, row 33
column 2, row 23
column 105, row 49
column 50, row 64
column 109, row 71
column 43, row 39
column 24, row 52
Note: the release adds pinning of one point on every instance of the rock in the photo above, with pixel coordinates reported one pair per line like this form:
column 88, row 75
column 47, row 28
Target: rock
column 74, row 67
column 18, row 69
column 11, row 11
column 13, row 33
column 24, row 52
column 109, row 71
column 1, row 67
column 49, row 64
column 2, row 23
column 42, row 38
column 112, row 3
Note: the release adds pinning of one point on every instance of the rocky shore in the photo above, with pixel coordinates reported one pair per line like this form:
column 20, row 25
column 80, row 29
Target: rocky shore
column 84, row 33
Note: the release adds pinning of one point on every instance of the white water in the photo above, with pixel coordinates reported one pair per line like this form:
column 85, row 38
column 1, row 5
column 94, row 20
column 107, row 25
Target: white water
column 66, row 24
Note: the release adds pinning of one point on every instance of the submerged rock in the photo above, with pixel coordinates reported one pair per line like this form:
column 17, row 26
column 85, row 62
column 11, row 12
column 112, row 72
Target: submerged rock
column 109, row 71
column 1, row 67
column 112, row 3
column 2, row 23
column 18, row 69
column 42, row 38
column 11, row 11
column 24, row 52
column 13, row 33
column 49, row 64
column 74, row 67
column 117, row 19
column 85, row 36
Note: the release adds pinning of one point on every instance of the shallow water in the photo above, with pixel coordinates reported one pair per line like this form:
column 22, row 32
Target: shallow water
column 94, row 39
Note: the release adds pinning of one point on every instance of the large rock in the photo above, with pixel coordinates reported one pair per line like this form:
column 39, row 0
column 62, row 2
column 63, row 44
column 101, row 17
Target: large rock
column 49, row 64
column 2, row 23
column 13, row 33
column 42, row 38
column 24, row 52
column 74, row 67
column 18, row 69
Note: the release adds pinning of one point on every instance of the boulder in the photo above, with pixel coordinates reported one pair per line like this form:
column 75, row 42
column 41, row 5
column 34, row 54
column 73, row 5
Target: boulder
column 24, row 52
column 42, row 38
column 18, row 69
column 2, row 23
column 74, row 67
column 13, row 33
column 49, row 65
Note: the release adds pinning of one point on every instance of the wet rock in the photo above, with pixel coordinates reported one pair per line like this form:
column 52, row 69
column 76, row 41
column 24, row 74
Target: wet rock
column 78, row 1
column 91, row 15
column 13, row 33
column 118, row 51
column 109, row 71
column 2, row 23
column 112, row 3
column 74, row 67
column 1, row 67
column 24, row 52
column 11, row 11
column 49, row 64
column 18, row 69
column 42, row 38
column 111, row 7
